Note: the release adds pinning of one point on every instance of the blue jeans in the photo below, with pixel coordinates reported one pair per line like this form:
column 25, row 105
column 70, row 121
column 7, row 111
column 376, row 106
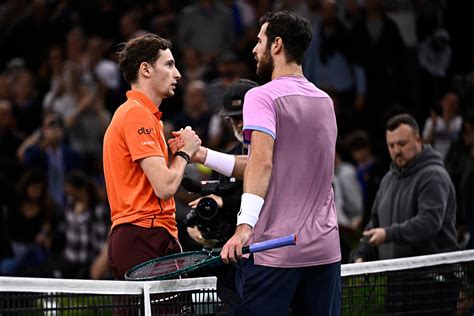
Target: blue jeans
column 268, row 291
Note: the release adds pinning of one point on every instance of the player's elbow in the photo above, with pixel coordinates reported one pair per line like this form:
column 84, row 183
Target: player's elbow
column 266, row 165
column 164, row 194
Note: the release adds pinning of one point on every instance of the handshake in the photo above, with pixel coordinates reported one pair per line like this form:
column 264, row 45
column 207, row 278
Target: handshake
column 187, row 141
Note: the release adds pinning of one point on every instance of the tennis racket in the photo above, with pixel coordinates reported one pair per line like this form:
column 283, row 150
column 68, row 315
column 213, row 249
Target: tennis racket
column 171, row 266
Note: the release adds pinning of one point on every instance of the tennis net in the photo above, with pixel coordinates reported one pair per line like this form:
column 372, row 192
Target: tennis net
column 440, row 284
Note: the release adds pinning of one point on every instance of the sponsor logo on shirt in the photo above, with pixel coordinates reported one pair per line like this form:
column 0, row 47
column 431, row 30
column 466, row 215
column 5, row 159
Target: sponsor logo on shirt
column 146, row 131
column 148, row 142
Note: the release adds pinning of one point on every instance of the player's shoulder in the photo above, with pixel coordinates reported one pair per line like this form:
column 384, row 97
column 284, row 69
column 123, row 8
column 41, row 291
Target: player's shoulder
column 294, row 86
column 130, row 108
column 262, row 91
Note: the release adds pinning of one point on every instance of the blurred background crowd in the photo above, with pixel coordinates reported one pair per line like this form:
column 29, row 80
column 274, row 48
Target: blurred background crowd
column 60, row 85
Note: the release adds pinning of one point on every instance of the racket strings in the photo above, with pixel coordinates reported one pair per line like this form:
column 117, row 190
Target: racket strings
column 166, row 266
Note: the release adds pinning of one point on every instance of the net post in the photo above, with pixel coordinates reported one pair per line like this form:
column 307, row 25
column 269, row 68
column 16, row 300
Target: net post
column 146, row 298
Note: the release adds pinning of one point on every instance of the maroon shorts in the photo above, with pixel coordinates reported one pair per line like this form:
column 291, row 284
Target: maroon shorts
column 130, row 245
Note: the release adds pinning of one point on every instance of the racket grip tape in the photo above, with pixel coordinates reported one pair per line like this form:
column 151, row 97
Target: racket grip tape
column 271, row 244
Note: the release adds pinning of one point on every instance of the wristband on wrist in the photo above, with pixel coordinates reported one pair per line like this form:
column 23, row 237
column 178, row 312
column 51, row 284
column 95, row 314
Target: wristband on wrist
column 183, row 155
column 250, row 208
column 220, row 162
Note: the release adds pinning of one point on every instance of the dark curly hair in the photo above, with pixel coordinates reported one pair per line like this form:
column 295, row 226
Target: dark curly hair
column 295, row 31
column 145, row 48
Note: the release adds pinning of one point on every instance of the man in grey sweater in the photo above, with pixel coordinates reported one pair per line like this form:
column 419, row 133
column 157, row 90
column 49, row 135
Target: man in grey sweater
column 414, row 212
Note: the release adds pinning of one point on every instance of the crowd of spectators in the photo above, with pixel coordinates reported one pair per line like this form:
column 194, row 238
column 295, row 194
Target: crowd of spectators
column 60, row 84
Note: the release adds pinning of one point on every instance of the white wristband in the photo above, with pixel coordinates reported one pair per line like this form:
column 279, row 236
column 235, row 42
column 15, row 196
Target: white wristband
column 250, row 208
column 220, row 162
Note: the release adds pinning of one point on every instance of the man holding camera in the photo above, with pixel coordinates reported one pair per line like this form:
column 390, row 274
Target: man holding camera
column 214, row 230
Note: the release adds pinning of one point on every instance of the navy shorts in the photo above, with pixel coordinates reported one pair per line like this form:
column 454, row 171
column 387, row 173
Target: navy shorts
column 312, row 290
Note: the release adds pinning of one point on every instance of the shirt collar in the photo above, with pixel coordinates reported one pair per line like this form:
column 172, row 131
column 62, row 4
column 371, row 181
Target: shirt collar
column 145, row 101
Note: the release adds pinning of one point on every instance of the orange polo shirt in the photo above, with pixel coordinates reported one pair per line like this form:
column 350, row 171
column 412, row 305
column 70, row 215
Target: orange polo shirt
column 136, row 132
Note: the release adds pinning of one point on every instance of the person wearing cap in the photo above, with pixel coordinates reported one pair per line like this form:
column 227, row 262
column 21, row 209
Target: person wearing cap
column 291, row 129
column 229, row 201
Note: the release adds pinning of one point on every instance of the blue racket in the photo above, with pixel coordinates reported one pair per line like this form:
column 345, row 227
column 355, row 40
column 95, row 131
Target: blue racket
column 171, row 266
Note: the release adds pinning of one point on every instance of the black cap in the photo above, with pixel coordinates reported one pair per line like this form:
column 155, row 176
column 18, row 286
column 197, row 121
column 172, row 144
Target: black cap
column 233, row 101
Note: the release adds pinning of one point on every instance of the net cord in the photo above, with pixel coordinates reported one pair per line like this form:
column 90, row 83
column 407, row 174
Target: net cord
column 41, row 285
column 406, row 263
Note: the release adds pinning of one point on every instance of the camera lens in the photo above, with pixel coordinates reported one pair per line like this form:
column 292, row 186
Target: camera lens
column 207, row 208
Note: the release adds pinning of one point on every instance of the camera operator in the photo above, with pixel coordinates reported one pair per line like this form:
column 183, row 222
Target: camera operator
column 213, row 218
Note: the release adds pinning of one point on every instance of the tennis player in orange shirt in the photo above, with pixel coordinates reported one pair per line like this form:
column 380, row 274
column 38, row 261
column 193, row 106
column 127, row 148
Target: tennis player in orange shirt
column 140, row 179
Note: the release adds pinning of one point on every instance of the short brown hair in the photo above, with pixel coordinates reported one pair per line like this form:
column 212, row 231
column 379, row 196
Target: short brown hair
column 145, row 48
column 397, row 120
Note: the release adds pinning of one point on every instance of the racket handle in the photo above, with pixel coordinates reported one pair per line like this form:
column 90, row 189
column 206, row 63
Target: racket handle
column 271, row 244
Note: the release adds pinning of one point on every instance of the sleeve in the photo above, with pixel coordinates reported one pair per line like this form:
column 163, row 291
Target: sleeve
column 141, row 134
column 342, row 218
column 259, row 114
column 427, row 128
column 432, row 200
column 352, row 194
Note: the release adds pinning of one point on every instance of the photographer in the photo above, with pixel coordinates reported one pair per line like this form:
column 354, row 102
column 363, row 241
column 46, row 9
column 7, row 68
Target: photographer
column 213, row 218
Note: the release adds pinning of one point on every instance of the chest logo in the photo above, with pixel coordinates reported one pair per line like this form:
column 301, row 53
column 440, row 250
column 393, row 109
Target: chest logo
column 146, row 131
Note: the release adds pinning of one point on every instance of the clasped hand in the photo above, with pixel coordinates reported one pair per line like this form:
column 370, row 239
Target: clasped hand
column 185, row 140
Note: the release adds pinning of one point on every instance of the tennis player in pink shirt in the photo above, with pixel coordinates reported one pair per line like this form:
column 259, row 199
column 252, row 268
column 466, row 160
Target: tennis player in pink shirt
column 291, row 130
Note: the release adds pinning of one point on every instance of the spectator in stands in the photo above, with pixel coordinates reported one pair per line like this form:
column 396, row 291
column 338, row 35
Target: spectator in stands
column 441, row 130
column 10, row 141
column 87, row 123
column 26, row 108
column 370, row 169
column 103, row 71
column 63, row 93
column 195, row 110
column 207, row 27
column 85, row 226
column 193, row 66
column 75, row 45
column 414, row 212
column 330, row 65
column 378, row 47
column 51, row 69
column 349, row 202
column 30, row 225
column 5, row 86
column 130, row 25
column 47, row 149
column 227, row 73
column 434, row 57
column 460, row 165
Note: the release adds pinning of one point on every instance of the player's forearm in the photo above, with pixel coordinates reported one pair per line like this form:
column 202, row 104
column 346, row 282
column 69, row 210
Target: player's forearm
column 174, row 178
column 226, row 164
column 257, row 177
column 164, row 180
column 240, row 165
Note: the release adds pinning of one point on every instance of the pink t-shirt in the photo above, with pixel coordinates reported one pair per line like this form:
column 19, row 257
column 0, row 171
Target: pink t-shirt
column 300, row 198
